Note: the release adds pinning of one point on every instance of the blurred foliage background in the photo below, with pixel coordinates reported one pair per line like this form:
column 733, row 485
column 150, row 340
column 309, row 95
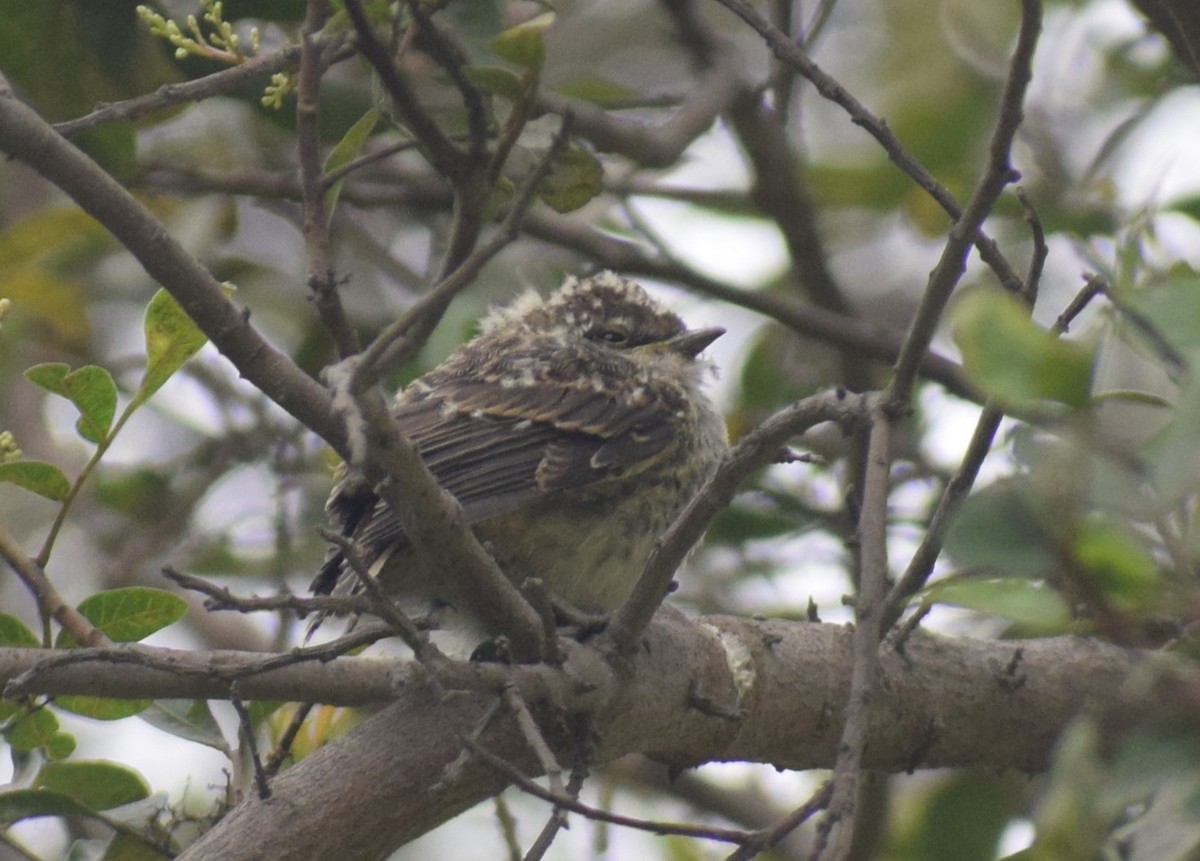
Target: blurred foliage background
column 1084, row 521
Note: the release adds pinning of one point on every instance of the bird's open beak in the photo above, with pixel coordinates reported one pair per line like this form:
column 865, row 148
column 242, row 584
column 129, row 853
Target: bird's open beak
column 692, row 343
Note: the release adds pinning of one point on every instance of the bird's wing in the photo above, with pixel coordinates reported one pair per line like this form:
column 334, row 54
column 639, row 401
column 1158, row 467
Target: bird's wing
column 497, row 447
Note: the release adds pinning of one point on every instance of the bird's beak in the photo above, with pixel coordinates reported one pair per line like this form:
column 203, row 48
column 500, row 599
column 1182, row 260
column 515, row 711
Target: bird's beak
column 692, row 342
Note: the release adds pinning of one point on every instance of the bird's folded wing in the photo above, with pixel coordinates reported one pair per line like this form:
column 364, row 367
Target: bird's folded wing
column 496, row 449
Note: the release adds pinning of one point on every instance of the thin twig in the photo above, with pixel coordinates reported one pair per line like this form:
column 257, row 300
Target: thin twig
column 283, row 748
column 525, row 784
column 1037, row 261
column 769, row 838
column 920, row 566
column 868, row 630
column 534, row 738
column 221, row 598
column 164, row 661
column 321, row 278
column 446, row 158
column 756, row 449
column 1093, row 286
column 337, row 48
column 381, row 605
column 431, row 519
column 262, row 782
column 789, row 52
column 557, row 821
column 49, row 602
column 997, row 175
column 400, row 341
column 438, row 44
column 334, row 176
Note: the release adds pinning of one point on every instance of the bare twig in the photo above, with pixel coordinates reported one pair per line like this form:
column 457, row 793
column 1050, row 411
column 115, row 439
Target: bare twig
column 401, row 340
column 557, row 821
column 998, row 174
column 654, row 146
column 1093, row 287
column 446, row 158
column 262, row 782
column 338, row 47
column 321, row 277
column 920, row 566
column 868, row 630
column 210, row 674
column 381, row 605
column 220, row 598
column 438, row 44
column 525, row 784
column 754, row 451
column 789, row 52
column 432, row 521
column 50, row 603
column 534, row 738
column 283, row 748
column 26, row 136
column 1037, row 261
column 768, row 838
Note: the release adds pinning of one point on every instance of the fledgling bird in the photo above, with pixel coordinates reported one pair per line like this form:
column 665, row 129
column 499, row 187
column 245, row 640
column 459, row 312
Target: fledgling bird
column 572, row 430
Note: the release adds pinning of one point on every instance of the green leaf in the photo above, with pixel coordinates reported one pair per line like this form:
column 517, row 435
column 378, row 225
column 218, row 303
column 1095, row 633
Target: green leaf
column 191, row 720
column 139, row 493
column 49, row 376
column 1012, row 359
column 523, row 44
column 18, row 804
column 99, row 784
column 171, row 339
column 90, row 388
column 102, row 708
column 1172, row 309
column 740, row 523
column 127, row 847
column 38, row 728
column 1034, row 606
column 998, row 530
column 346, row 150
column 590, row 87
column 260, row 710
column 128, row 615
column 1118, row 562
column 575, row 178
column 44, row 479
column 959, row 816
column 60, row 745
column 497, row 81
column 14, row 632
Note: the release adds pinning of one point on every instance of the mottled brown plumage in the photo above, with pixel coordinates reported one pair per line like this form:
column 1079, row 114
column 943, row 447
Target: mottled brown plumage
column 571, row 431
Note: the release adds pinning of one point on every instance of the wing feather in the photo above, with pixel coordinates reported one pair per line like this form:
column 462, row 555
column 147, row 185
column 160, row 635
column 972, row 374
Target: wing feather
column 496, row 447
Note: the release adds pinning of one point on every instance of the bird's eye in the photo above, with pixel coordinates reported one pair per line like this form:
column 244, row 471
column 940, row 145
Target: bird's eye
column 609, row 335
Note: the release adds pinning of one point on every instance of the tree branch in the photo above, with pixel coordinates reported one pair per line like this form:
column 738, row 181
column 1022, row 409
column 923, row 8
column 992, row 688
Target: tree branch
column 27, row 137
column 957, row 692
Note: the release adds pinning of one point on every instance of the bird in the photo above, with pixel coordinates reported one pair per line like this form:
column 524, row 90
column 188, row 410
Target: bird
column 572, row 430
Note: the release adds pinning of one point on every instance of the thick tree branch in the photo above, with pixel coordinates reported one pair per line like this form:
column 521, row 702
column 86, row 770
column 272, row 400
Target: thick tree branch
column 949, row 702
